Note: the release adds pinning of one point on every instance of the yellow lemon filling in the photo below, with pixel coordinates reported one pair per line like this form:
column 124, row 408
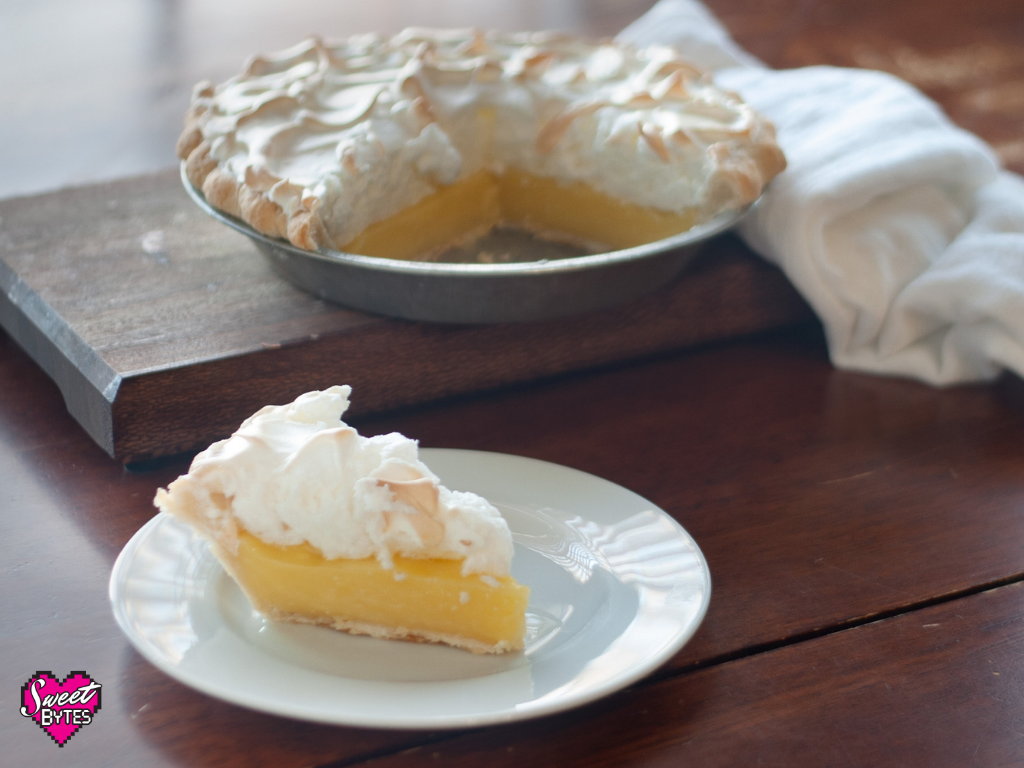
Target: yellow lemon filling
column 472, row 206
column 427, row 599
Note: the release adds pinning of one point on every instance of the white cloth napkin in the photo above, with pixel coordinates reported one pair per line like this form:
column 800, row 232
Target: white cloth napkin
column 898, row 227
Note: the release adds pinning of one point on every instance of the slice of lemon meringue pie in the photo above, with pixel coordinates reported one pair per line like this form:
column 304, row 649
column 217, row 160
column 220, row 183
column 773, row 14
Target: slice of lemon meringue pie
column 320, row 525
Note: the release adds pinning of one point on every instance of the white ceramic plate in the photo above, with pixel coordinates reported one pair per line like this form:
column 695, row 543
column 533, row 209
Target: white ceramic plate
column 617, row 588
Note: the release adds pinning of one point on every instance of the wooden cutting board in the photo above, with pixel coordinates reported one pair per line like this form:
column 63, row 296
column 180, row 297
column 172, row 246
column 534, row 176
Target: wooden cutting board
column 164, row 329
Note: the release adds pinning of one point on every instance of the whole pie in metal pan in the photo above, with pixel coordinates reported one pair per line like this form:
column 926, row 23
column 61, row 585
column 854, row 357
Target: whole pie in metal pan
column 403, row 147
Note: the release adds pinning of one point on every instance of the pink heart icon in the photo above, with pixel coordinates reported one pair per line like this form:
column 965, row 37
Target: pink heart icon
column 60, row 707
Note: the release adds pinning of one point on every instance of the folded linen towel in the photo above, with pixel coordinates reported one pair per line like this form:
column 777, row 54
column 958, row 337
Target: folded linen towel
column 898, row 227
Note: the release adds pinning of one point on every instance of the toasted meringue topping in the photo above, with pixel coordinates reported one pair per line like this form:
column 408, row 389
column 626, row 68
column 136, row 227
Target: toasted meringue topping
column 297, row 473
column 368, row 126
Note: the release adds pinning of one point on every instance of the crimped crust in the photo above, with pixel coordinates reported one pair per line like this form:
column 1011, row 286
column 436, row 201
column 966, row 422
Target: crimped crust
column 303, row 228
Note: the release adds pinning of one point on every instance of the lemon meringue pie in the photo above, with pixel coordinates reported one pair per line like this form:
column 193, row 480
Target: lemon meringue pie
column 320, row 525
column 402, row 147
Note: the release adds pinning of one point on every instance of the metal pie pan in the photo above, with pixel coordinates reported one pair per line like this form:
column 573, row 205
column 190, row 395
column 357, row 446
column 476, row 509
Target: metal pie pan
column 441, row 292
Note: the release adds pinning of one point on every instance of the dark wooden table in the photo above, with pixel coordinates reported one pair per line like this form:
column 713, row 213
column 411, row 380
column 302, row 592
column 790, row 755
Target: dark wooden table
column 865, row 535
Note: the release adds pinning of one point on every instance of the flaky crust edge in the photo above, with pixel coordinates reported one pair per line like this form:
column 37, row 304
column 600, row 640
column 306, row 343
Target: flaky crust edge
column 396, row 633
column 304, row 228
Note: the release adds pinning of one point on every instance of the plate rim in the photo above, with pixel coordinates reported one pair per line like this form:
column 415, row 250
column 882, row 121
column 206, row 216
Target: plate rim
column 421, row 722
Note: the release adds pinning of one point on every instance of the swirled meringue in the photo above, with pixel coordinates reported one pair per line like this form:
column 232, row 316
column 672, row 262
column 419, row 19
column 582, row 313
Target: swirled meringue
column 317, row 142
column 297, row 473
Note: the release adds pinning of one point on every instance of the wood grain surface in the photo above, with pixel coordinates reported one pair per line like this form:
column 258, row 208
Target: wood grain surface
column 937, row 687
column 822, row 499
column 840, row 495
column 864, row 534
column 969, row 57
column 164, row 328
column 116, row 289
